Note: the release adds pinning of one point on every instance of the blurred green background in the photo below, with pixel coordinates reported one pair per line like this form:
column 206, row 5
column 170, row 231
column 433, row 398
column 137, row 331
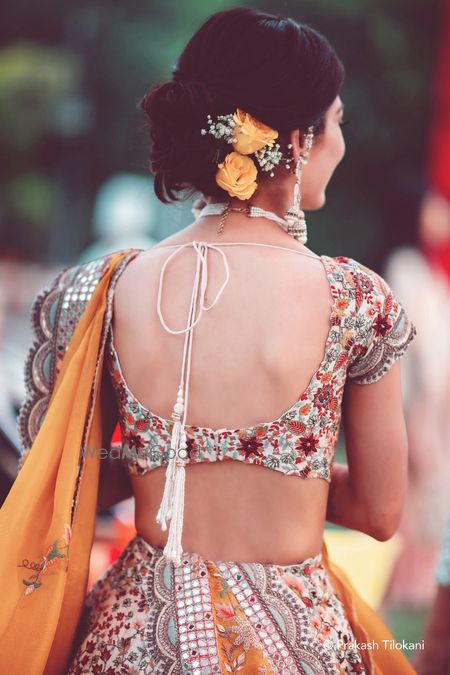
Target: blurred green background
column 71, row 75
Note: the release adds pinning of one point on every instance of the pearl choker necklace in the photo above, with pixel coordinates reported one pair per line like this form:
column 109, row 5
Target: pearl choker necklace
column 216, row 209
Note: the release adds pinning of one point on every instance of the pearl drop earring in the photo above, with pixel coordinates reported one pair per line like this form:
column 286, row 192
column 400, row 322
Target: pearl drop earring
column 294, row 216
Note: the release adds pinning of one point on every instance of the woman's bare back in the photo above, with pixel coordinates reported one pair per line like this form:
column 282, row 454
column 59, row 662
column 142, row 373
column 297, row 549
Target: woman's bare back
column 253, row 355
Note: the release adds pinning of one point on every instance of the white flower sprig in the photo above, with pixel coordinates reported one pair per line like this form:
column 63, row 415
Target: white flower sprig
column 269, row 157
column 222, row 129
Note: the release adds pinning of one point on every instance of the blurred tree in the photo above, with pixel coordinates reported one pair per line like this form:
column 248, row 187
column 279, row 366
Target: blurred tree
column 105, row 55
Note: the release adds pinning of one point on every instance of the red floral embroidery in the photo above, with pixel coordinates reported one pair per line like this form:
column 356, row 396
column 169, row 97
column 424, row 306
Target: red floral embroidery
column 364, row 282
column 323, row 396
column 381, row 325
column 308, row 444
column 251, row 446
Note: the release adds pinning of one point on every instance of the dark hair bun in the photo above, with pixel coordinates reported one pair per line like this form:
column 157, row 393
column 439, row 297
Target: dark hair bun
column 177, row 104
column 284, row 74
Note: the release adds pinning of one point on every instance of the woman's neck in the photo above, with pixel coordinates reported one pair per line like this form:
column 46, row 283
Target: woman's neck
column 275, row 198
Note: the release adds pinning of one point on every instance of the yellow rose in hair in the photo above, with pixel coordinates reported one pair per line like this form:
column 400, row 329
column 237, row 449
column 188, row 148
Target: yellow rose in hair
column 250, row 134
column 237, row 175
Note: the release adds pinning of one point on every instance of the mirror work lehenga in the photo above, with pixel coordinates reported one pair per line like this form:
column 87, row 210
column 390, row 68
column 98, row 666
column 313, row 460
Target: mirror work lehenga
column 151, row 612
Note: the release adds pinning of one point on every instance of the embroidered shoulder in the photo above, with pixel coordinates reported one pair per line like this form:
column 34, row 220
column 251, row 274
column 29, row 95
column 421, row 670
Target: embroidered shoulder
column 382, row 328
column 54, row 316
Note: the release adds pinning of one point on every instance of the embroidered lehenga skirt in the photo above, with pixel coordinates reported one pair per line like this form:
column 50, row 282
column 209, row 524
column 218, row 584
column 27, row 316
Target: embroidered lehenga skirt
column 145, row 615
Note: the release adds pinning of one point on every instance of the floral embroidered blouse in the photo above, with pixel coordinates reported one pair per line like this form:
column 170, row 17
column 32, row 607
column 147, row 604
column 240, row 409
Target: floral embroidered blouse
column 368, row 331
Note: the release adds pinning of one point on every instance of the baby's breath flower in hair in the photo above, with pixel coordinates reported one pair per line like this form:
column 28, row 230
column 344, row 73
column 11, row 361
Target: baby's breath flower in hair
column 248, row 136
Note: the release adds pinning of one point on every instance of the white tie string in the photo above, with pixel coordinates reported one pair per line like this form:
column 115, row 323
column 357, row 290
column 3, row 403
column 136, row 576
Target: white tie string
column 198, row 247
column 172, row 503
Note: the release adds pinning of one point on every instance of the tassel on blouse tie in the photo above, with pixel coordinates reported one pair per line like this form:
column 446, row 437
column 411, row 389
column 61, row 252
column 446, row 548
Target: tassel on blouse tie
column 172, row 503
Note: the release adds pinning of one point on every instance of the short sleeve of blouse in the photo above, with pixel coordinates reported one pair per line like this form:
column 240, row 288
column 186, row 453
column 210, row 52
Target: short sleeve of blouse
column 383, row 330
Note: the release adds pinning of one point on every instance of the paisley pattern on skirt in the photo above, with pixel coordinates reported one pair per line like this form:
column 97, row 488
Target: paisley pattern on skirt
column 144, row 615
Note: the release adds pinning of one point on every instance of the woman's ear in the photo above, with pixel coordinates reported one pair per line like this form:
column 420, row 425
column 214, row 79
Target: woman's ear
column 294, row 140
column 297, row 139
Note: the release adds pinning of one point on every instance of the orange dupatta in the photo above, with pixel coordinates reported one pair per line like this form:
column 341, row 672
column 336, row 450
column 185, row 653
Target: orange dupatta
column 41, row 602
